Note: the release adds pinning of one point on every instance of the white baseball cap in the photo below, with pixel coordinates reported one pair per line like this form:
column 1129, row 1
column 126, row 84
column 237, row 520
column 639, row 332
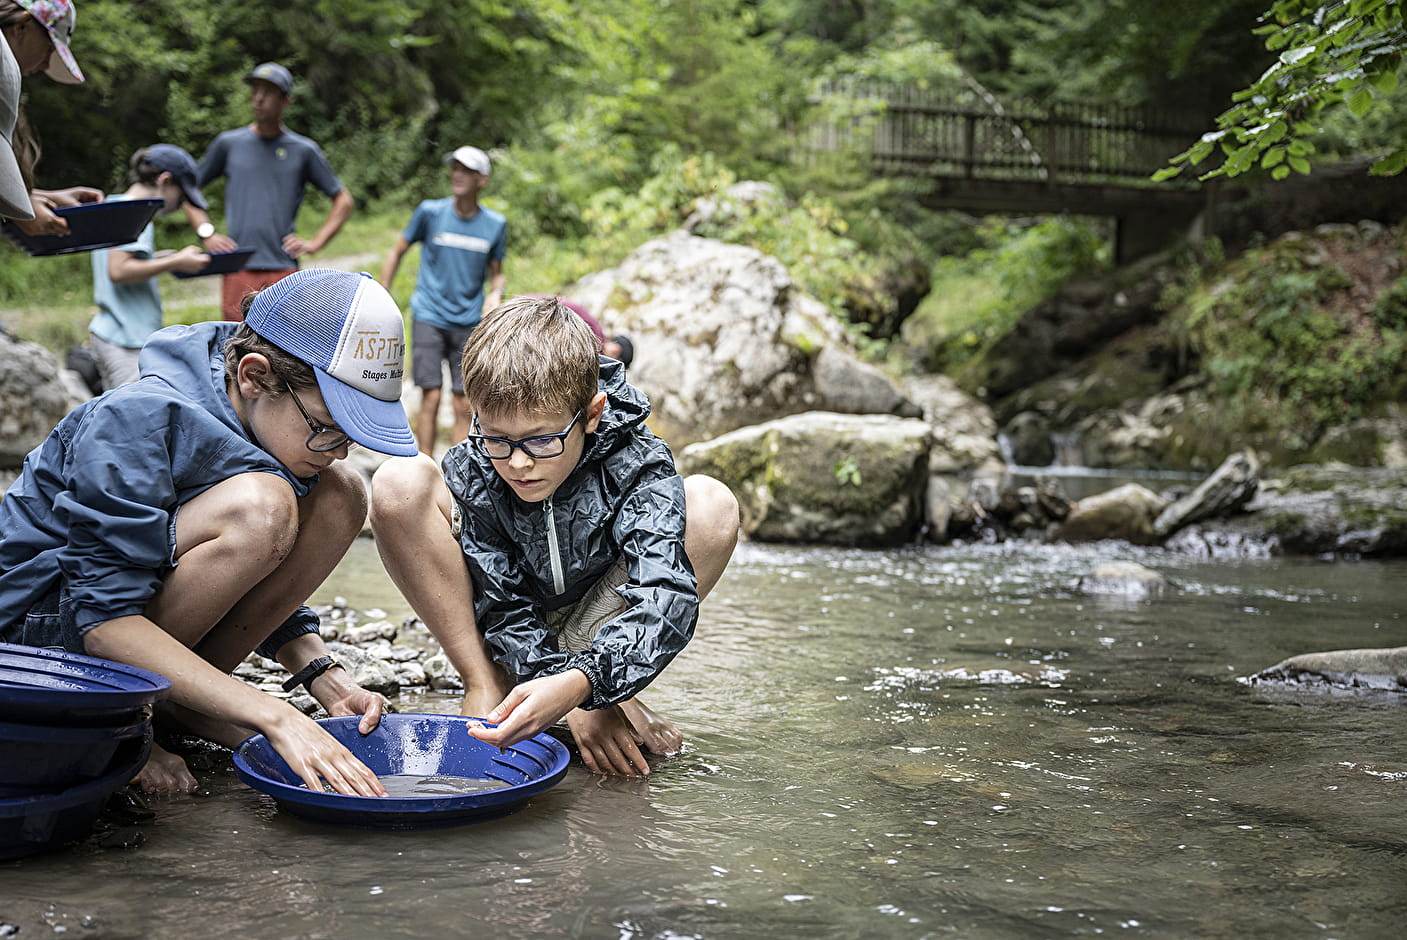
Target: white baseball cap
column 347, row 327
column 471, row 157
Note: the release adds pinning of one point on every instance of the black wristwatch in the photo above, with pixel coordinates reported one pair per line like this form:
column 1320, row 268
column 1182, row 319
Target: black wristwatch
column 308, row 673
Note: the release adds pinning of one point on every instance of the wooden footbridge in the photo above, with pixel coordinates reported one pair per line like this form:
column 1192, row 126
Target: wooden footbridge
column 981, row 155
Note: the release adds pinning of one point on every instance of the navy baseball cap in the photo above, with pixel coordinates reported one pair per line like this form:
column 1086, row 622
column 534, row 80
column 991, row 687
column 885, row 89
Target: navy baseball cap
column 347, row 327
column 274, row 74
column 181, row 166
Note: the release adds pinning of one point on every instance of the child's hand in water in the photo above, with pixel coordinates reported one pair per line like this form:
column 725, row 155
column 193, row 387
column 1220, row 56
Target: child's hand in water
column 532, row 707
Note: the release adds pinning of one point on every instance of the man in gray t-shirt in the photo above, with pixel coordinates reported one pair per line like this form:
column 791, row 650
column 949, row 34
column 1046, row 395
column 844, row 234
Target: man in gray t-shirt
column 267, row 169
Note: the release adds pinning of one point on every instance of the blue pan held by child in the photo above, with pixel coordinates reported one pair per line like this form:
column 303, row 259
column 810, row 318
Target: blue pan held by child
column 437, row 774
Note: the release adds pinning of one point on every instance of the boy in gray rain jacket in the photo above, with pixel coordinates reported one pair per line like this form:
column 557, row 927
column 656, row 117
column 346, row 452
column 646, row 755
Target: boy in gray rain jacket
column 560, row 550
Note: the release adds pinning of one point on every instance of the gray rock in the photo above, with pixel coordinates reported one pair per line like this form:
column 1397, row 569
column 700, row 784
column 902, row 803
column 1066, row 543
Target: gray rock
column 724, row 340
column 1380, row 669
column 823, row 478
column 1124, row 579
column 440, row 674
column 33, row 397
column 1229, row 489
column 366, row 670
column 1126, row 512
column 369, row 632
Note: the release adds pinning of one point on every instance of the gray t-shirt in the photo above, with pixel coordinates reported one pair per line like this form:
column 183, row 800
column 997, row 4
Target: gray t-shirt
column 266, row 179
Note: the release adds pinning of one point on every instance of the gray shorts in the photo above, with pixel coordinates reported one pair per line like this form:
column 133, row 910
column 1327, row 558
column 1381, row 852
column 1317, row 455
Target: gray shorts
column 117, row 365
column 430, row 348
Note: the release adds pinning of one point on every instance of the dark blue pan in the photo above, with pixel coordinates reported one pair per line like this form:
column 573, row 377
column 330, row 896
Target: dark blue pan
column 428, row 745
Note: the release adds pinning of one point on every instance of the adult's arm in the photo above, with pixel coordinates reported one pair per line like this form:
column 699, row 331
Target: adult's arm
column 215, row 241
column 44, row 201
column 342, row 206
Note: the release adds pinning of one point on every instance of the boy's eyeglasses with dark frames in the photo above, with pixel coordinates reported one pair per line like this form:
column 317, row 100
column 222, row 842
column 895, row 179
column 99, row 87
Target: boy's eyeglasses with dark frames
column 323, row 438
column 538, row 446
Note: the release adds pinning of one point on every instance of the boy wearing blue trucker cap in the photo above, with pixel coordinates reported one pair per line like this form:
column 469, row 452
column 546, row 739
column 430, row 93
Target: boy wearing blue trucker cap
column 180, row 521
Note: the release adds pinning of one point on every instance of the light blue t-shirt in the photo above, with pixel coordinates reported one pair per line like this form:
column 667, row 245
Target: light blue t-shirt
column 127, row 313
column 454, row 257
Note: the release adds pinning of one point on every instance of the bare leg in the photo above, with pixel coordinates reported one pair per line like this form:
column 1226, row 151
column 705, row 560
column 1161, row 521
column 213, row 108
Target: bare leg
column 461, row 417
column 410, row 517
column 272, row 551
column 427, row 420
column 710, row 535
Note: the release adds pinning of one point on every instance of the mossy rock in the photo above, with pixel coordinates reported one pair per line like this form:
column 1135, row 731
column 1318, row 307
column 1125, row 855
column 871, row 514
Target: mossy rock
column 824, row 478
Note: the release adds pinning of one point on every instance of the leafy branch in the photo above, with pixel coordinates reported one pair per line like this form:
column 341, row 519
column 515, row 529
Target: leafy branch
column 1340, row 52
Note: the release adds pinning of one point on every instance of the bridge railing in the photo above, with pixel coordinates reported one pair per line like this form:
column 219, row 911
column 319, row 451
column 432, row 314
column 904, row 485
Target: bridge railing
column 964, row 133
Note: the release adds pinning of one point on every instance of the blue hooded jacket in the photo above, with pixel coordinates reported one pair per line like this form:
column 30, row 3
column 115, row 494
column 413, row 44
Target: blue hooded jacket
column 624, row 499
column 94, row 502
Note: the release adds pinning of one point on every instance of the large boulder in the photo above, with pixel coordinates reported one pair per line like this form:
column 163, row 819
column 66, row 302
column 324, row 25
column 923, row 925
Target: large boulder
column 33, row 397
column 822, row 477
column 723, row 340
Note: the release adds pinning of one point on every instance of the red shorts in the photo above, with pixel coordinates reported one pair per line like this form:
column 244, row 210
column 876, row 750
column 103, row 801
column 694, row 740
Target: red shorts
column 235, row 285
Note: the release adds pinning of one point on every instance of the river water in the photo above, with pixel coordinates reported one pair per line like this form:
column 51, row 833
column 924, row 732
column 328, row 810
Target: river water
column 925, row 742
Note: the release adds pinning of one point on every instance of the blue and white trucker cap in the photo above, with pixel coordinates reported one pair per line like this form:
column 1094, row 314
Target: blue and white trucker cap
column 347, row 327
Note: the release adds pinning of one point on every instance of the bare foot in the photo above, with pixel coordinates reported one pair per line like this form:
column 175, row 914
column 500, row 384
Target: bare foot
column 657, row 733
column 165, row 773
column 479, row 702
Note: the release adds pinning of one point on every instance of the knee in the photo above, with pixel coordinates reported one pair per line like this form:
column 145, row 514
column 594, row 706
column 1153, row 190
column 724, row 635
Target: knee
column 338, row 502
column 260, row 513
column 711, row 512
column 401, row 487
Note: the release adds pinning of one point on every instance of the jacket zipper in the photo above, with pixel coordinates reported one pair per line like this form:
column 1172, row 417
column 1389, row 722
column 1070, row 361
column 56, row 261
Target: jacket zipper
column 553, row 554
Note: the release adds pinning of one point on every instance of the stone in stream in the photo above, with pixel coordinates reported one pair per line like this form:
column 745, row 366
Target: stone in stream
column 1375, row 669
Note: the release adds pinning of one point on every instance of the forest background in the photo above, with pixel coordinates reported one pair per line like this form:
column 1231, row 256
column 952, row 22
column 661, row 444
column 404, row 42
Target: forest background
column 608, row 119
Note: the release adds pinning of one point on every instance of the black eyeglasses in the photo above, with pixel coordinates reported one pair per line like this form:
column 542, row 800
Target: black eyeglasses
column 537, row 446
column 323, row 438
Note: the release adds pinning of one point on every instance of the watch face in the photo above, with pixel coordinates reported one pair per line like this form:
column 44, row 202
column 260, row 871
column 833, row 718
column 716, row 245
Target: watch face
column 205, row 230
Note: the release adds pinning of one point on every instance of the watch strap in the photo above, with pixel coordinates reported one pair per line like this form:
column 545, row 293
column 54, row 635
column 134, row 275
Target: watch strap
column 308, row 673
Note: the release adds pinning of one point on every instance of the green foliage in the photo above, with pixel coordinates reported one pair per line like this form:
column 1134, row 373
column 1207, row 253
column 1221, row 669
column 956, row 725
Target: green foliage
column 1272, row 330
column 978, row 297
column 847, row 472
column 1329, row 56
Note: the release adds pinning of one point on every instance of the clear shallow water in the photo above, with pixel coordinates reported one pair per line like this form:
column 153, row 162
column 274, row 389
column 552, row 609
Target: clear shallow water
column 918, row 743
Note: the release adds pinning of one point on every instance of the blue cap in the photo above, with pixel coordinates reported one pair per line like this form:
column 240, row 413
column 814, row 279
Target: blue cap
column 347, row 327
column 274, row 74
column 181, row 166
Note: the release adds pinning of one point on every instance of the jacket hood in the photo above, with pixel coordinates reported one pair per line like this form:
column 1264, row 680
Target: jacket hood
column 191, row 360
column 626, row 411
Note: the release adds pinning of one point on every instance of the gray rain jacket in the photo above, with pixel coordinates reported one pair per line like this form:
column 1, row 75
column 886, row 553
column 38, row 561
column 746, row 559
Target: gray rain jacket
column 625, row 500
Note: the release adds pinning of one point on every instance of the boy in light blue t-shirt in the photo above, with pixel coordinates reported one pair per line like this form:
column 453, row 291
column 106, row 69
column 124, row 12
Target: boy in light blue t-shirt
column 462, row 248
column 124, row 278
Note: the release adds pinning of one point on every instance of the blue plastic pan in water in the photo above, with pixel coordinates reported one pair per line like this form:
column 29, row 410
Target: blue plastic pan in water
column 51, row 687
column 411, row 745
